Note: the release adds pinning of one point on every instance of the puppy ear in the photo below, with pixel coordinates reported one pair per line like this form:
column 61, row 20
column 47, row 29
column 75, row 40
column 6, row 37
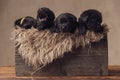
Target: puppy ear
column 82, row 28
column 35, row 24
column 17, row 22
column 38, row 11
column 83, row 18
column 54, row 28
column 52, row 15
column 56, row 22
column 37, row 16
column 100, row 29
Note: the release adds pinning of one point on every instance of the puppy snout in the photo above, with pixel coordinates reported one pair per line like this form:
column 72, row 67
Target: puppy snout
column 62, row 26
column 42, row 19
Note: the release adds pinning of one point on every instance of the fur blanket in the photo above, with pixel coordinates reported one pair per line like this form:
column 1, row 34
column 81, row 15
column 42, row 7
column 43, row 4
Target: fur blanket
column 39, row 48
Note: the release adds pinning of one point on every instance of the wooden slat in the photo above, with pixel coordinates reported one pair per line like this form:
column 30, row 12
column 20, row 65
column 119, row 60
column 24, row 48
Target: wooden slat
column 8, row 73
column 114, row 67
column 10, row 70
column 114, row 70
column 62, row 78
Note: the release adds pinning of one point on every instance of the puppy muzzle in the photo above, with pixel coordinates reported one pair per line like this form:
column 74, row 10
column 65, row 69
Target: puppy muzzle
column 62, row 27
column 42, row 20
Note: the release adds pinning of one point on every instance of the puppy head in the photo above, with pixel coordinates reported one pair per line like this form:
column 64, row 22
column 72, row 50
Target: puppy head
column 45, row 18
column 25, row 22
column 92, row 19
column 66, row 22
column 82, row 28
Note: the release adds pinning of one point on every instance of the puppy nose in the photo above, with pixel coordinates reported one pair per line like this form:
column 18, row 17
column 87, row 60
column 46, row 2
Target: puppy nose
column 63, row 26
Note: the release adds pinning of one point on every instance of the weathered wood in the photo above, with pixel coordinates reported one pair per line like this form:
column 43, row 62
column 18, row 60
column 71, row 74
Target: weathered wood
column 63, row 78
column 8, row 73
column 90, row 60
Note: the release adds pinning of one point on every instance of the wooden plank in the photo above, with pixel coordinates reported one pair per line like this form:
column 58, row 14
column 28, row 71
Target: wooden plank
column 114, row 71
column 4, row 76
column 62, row 78
column 7, row 71
column 10, row 70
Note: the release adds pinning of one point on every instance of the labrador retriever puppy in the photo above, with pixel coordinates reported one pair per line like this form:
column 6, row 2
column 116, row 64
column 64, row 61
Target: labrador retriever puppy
column 26, row 22
column 45, row 18
column 66, row 23
column 90, row 19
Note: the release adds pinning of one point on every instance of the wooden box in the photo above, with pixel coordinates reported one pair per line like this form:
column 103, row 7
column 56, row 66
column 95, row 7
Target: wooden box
column 90, row 60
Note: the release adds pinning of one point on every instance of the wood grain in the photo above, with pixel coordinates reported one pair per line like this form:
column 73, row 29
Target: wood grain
column 8, row 73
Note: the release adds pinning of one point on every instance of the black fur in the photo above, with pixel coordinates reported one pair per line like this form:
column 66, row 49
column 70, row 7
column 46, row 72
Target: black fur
column 45, row 18
column 90, row 20
column 65, row 22
column 27, row 23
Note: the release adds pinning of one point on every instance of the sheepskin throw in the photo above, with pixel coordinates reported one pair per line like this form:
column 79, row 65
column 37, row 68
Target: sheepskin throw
column 39, row 48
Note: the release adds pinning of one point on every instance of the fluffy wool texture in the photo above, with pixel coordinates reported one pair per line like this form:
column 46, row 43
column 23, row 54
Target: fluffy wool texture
column 39, row 48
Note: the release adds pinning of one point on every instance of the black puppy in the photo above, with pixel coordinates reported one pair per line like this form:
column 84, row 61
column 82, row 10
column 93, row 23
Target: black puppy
column 66, row 23
column 26, row 22
column 90, row 20
column 45, row 18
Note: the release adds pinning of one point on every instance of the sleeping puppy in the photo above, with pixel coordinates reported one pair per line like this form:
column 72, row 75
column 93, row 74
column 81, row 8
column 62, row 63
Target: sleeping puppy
column 45, row 18
column 66, row 23
column 26, row 22
column 90, row 20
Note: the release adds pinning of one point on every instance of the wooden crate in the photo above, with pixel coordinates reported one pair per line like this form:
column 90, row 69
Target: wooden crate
column 90, row 60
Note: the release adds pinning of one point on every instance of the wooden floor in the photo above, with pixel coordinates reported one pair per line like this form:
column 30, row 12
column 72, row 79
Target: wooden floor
column 8, row 73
